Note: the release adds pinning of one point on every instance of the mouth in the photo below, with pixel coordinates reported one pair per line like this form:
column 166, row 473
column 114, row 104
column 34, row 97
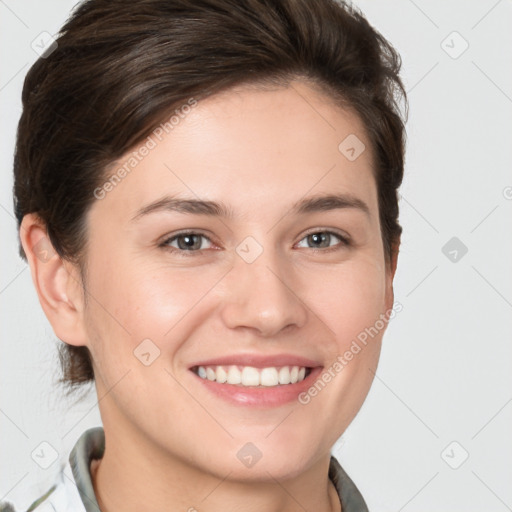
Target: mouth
column 252, row 377
column 256, row 380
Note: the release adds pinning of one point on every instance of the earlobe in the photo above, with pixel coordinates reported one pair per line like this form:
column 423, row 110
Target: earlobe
column 57, row 282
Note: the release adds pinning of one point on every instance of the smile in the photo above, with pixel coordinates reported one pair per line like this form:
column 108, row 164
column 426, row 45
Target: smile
column 249, row 376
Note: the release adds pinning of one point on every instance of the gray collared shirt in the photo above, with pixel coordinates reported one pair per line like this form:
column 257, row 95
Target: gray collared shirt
column 74, row 491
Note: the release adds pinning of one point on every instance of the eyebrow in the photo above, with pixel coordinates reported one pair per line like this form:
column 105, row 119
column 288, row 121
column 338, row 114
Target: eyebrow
column 319, row 203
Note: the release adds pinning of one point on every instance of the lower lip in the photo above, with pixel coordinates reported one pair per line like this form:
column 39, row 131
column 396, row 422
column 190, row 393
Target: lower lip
column 271, row 396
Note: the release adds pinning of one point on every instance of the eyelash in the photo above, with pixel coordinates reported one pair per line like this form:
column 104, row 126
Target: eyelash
column 164, row 245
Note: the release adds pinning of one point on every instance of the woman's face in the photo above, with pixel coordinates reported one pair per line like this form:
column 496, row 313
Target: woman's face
column 269, row 280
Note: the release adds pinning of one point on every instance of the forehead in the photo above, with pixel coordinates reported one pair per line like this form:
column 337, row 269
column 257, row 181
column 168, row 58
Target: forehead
column 249, row 147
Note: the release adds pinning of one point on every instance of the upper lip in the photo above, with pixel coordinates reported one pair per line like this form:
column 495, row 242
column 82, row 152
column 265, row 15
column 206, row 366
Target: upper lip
column 259, row 361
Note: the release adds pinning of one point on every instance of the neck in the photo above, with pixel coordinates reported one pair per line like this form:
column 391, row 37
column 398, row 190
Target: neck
column 136, row 475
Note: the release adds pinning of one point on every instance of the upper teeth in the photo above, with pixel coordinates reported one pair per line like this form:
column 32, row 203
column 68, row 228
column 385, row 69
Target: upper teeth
column 250, row 376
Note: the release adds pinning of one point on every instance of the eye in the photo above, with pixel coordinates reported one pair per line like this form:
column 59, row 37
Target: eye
column 322, row 239
column 191, row 242
column 186, row 242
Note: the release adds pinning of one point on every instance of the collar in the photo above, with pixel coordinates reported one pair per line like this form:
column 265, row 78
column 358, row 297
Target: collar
column 91, row 445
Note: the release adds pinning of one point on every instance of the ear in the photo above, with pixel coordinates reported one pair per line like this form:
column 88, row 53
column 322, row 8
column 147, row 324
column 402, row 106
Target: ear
column 390, row 273
column 58, row 282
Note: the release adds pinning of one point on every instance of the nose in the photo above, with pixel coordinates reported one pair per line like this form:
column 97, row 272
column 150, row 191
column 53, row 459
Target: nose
column 263, row 296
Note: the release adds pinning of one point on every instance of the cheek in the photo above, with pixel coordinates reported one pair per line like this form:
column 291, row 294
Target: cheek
column 134, row 302
column 131, row 303
column 350, row 299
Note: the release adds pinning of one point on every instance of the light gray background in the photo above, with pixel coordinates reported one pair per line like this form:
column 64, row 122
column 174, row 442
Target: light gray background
column 445, row 372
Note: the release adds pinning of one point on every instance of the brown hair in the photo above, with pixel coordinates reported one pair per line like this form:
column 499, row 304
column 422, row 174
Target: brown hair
column 120, row 67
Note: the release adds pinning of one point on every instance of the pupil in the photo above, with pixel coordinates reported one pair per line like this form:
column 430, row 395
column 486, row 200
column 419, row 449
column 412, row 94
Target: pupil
column 189, row 241
column 318, row 237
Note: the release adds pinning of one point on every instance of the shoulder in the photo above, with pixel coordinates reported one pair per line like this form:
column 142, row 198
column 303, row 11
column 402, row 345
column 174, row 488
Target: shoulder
column 41, row 504
column 62, row 496
column 73, row 483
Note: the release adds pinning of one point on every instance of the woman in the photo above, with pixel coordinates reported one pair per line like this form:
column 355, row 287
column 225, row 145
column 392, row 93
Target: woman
column 206, row 192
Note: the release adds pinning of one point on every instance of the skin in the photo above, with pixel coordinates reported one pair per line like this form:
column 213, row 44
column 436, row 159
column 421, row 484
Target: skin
column 170, row 445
